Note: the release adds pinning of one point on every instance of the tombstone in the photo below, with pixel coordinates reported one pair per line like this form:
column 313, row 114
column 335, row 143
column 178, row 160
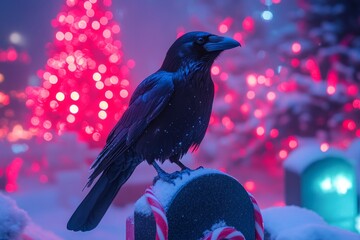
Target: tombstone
column 196, row 204
column 324, row 182
column 353, row 152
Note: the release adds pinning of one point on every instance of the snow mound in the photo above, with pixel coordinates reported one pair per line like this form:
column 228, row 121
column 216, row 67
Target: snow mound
column 13, row 220
column 34, row 232
column 15, row 224
column 295, row 223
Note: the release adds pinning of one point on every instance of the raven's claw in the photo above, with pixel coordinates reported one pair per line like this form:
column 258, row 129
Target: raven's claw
column 168, row 177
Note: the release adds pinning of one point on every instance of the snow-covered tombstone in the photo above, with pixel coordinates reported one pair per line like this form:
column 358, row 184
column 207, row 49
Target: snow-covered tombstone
column 196, row 205
column 322, row 181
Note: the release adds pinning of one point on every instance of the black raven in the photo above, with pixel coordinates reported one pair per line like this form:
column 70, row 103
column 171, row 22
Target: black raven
column 168, row 114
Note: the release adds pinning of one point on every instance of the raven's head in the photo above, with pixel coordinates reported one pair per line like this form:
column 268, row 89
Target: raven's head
column 198, row 47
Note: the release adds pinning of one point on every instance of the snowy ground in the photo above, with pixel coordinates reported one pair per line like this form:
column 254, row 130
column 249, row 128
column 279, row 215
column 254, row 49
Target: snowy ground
column 50, row 205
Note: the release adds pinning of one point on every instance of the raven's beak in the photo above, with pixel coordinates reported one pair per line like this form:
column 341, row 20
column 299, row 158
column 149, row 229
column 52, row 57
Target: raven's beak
column 217, row 43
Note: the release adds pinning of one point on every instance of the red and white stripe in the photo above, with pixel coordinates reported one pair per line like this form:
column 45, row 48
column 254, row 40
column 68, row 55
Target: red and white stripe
column 259, row 223
column 218, row 234
column 159, row 214
column 225, row 233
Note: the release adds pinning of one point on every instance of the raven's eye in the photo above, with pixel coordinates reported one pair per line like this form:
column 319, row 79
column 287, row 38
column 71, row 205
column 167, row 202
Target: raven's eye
column 200, row 40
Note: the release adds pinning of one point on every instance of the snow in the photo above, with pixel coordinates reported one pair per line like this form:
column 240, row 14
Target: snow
column 301, row 158
column 217, row 225
column 165, row 191
column 295, row 223
column 12, row 219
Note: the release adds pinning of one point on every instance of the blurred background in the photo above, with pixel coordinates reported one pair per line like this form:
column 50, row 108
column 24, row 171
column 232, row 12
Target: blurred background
column 68, row 68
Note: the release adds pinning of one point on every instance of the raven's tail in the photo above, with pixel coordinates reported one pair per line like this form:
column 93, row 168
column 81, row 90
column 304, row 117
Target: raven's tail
column 91, row 210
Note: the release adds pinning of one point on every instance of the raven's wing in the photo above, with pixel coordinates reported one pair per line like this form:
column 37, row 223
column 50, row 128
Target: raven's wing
column 149, row 99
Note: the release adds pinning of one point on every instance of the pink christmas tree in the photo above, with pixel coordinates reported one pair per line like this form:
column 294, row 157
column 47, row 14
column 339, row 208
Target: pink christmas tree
column 84, row 83
column 289, row 82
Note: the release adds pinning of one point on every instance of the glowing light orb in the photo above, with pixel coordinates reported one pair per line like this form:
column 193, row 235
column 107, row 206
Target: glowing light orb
column 53, row 79
column 113, row 58
column 109, row 94
column 87, row 5
column 342, row 184
column 75, row 96
column 296, row 47
column 99, row 85
column 248, row 24
column 102, row 68
column 54, row 104
column 267, row 15
column 293, row 143
column 102, row 114
column 104, row 20
column 47, row 136
column 251, row 80
column 124, row 93
column 35, row 121
column 250, row 95
column 249, row 186
column 271, row 96
column 68, row 36
column 89, row 129
column 107, row 33
column 60, row 96
column 223, row 28
column 16, row 38
column 74, row 109
column 260, row 131
column 228, row 123
column 283, row 154
column 114, row 79
column 70, row 118
column 97, row 76
column 274, row 133
column 2, row 78
column 349, row 124
column 224, row 76
column 228, row 98
column 324, row 147
column 115, row 29
column 125, row 83
column 215, row 70
column 95, row 25
column 103, row 105
column 82, row 24
column 330, row 90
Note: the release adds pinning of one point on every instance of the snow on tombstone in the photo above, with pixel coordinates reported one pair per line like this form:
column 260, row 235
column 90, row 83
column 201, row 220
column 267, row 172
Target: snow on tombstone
column 194, row 206
column 322, row 181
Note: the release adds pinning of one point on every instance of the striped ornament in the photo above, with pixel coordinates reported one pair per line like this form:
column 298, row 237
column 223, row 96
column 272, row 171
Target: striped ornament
column 259, row 223
column 225, row 233
column 159, row 214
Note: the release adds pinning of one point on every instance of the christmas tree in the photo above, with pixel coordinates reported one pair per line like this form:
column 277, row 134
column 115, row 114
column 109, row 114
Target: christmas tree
column 289, row 82
column 322, row 57
column 84, row 88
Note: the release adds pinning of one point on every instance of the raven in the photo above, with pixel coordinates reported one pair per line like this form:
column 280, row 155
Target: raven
column 168, row 114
